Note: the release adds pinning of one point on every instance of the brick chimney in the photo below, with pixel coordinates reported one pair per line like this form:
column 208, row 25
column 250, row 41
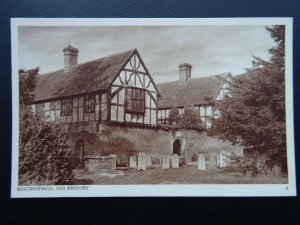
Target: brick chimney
column 70, row 57
column 185, row 72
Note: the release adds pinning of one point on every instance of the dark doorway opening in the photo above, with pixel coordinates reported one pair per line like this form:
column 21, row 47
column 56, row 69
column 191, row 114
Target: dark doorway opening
column 177, row 147
column 79, row 154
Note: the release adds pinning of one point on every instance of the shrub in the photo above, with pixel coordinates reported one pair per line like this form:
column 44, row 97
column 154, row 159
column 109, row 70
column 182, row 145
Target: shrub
column 44, row 153
column 194, row 157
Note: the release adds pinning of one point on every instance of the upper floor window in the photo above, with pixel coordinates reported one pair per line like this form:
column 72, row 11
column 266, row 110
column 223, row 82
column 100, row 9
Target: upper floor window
column 89, row 103
column 135, row 100
column 67, row 107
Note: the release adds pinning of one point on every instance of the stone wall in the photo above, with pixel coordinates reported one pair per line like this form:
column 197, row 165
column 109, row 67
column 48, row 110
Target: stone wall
column 104, row 140
column 100, row 164
column 124, row 141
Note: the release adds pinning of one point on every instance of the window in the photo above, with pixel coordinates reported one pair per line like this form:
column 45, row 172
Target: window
column 66, row 107
column 89, row 103
column 135, row 100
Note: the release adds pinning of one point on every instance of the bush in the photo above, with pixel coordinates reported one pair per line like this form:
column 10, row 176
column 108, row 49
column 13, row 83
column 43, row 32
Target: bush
column 45, row 154
column 194, row 157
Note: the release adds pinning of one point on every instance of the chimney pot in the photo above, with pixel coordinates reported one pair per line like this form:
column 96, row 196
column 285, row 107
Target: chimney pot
column 70, row 57
column 185, row 72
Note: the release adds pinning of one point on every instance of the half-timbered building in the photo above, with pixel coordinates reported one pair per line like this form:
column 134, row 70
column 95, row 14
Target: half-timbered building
column 201, row 93
column 112, row 105
column 117, row 88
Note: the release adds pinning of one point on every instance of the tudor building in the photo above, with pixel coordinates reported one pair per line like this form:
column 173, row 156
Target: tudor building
column 201, row 93
column 117, row 88
column 95, row 99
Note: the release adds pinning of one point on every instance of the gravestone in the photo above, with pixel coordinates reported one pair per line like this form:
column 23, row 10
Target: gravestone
column 132, row 162
column 142, row 161
column 224, row 159
column 276, row 171
column 166, row 162
column 148, row 160
column 201, row 162
column 175, row 161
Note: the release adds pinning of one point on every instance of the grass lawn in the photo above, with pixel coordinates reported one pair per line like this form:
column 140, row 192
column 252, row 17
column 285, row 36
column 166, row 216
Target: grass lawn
column 183, row 175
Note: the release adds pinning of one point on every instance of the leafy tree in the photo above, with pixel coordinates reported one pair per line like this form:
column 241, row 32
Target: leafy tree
column 174, row 116
column 191, row 119
column 254, row 114
column 188, row 120
column 27, row 84
column 44, row 152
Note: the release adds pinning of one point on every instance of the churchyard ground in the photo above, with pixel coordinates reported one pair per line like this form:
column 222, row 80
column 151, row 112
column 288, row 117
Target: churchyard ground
column 183, row 175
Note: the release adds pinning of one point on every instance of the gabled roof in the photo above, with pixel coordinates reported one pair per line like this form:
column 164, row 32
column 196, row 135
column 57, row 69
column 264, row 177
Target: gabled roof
column 82, row 78
column 197, row 91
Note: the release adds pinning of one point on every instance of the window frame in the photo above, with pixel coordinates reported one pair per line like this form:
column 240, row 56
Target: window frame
column 88, row 98
column 134, row 99
column 65, row 111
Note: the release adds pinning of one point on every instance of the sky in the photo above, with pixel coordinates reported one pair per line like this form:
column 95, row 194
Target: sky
column 210, row 49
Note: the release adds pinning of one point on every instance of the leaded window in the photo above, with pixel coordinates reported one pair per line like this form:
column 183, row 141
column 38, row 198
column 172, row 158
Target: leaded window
column 135, row 100
column 89, row 103
column 67, row 107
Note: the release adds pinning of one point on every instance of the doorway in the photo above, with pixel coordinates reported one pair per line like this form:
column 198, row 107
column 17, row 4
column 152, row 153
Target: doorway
column 79, row 154
column 177, row 147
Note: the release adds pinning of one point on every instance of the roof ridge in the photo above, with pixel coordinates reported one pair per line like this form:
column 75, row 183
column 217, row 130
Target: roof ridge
column 114, row 54
column 198, row 78
column 93, row 60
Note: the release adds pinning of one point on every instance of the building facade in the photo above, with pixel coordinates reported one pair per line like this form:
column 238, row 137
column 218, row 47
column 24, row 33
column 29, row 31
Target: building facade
column 112, row 105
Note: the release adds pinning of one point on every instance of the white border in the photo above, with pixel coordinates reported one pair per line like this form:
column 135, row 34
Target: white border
column 157, row 190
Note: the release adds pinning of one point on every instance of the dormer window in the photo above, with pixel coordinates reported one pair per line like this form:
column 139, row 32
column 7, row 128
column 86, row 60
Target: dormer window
column 135, row 100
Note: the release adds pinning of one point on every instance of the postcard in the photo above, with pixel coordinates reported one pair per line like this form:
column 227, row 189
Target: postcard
column 152, row 107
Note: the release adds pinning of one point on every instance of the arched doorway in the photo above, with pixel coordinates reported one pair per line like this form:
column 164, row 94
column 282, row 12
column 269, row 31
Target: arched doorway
column 177, row 147
column 79, row 154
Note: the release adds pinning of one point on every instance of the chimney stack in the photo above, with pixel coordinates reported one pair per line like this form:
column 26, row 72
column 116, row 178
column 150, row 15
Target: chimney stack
column 70, row 57
column 185, row 72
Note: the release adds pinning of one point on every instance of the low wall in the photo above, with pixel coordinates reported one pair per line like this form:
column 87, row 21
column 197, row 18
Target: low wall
column 100, row 164
column 125, row 141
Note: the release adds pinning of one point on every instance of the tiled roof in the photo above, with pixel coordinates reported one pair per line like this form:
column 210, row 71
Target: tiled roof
column 197, row 91
column 82, row 78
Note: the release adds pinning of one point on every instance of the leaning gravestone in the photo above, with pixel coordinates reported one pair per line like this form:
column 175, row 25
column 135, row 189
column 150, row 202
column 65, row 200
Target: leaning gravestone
column 132, row 162
column 201, row 162
column 175, row 161
column 148, row 160
column 142, row 161
column 166, row 162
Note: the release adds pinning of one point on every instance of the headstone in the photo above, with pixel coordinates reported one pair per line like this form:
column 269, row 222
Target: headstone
column 201, row 162
column 276, row 171
column 175, row 161
column 142, row 161
column 148, row 160
column 132, row 162
column 224, row 159
column 181, row 161
column 218, row 161
column 166, row 162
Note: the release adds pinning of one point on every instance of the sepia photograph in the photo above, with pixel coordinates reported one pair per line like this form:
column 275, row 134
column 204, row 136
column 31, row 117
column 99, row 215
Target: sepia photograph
column 152, row 107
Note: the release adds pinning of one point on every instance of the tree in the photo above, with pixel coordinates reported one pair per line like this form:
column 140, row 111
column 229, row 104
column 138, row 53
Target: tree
column 191, row 119
column 44, row 152
column 188, row 120
column 174, row 116
column 27, row 84
column 254, row 114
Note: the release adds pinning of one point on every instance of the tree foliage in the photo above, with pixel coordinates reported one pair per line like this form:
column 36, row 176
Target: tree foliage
column 188, row 120
column 254, row 114
column 44, row 156
column 44, row 152
column 174, row 116
column 27, row 84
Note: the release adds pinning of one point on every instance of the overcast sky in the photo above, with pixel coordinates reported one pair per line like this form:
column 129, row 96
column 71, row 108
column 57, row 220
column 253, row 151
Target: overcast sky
column 210, row 49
